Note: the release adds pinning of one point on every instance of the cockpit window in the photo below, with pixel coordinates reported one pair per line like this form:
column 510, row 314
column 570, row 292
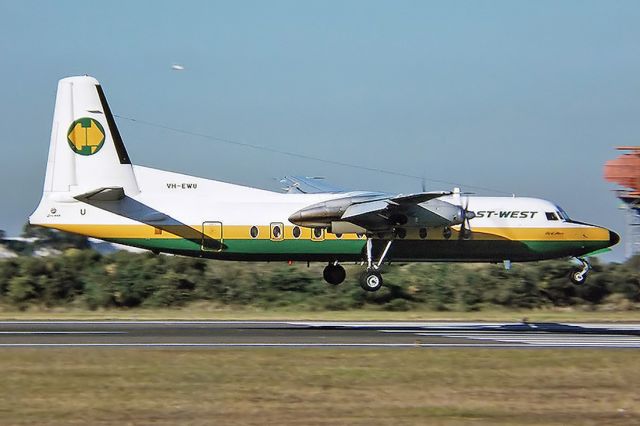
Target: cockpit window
column 551, row 216
column 563, row 215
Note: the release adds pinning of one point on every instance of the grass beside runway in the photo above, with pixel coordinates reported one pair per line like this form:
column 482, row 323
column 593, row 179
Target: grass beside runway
column 319, row 387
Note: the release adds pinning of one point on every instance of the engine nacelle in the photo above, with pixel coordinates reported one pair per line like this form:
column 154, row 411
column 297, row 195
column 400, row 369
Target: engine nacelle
column 321, row 214
column 342, row 227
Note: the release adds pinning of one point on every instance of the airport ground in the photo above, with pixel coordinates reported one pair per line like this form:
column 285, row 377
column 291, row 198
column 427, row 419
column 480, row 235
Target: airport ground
column 114, row 372
column 319, row 386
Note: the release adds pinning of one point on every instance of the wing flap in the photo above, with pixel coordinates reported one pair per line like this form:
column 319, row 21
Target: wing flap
column 362, row 209
column 418, row 198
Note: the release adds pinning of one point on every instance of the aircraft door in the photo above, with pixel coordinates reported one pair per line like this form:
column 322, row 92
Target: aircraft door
column 212, row 239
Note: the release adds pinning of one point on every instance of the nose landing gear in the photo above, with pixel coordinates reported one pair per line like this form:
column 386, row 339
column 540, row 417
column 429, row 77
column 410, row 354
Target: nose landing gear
column 579, row 275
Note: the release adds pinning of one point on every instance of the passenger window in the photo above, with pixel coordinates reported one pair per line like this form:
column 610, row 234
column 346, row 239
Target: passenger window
column 276, row 231
column 317, row 234
column 551, row 216
column 296, row 232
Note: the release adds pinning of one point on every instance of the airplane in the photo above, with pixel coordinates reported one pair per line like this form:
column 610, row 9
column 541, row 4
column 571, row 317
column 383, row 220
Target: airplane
column 92, row 188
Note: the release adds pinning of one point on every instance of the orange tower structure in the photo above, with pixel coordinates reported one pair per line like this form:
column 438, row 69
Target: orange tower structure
column 625, row 171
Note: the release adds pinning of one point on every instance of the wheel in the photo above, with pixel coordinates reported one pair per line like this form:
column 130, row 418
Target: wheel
column 578, row 277
column 334, row 274
column 371, row 280
column 446, row 233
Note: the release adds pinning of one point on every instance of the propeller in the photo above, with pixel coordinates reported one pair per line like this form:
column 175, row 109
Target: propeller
column 465, row 216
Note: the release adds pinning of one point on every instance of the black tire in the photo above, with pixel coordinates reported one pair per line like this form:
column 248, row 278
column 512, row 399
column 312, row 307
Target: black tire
column 371, row 280
column 334, row 274
column 446, row 232
column 577, row 277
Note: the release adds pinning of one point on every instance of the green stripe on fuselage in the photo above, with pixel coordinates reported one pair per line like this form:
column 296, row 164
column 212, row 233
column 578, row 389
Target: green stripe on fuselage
column 401, row 250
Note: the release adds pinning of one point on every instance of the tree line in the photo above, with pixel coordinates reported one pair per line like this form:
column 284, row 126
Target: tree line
column 80, row 277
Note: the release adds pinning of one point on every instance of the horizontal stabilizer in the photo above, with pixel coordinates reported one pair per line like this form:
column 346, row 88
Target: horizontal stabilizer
column 113, row 193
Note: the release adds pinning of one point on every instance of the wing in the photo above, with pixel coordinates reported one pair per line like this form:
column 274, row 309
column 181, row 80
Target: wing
column 376, row 212
column 419, row 210
column 309, row 185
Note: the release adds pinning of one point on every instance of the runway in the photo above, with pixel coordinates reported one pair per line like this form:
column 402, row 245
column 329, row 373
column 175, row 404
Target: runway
column 314, row 334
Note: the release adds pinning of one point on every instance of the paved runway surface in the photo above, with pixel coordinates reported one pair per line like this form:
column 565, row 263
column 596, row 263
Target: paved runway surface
column 221, row 334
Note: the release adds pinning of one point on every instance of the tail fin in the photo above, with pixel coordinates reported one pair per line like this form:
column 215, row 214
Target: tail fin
column 86, row 151
column 86, row 154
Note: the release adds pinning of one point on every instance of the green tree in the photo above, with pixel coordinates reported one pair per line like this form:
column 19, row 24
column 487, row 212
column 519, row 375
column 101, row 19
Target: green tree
column 52, row 238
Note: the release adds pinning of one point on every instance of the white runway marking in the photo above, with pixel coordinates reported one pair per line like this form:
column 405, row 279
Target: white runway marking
column 62, row 332
column 266, row 345
column 544, row 339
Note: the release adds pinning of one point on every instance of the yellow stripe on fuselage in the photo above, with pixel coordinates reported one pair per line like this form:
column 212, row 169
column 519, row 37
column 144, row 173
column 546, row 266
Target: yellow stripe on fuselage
column 242, row 232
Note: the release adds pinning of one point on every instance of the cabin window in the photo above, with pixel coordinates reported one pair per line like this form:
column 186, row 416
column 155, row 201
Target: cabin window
column 317, row 234
column 551, row 216
column 296, row 232
column 254, row 232
column 277, row 231
column 338, row 236
column 423, row 233
column 401, row 233
column 563, row 215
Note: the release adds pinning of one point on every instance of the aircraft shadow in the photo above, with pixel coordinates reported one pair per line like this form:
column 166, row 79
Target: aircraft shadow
column 140, row 212
column 524, row 327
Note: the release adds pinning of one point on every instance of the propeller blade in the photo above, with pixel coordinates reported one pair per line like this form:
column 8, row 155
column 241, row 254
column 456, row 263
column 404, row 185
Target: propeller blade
column 465, row 226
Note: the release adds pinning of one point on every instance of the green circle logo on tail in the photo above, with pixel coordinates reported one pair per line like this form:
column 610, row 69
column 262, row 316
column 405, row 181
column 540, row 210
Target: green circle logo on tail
column 85, row 136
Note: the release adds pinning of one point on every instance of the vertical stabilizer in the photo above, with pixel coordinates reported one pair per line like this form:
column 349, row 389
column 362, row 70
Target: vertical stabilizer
column 86, row 151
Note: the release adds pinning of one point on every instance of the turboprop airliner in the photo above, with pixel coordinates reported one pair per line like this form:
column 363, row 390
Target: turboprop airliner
column 92, row 188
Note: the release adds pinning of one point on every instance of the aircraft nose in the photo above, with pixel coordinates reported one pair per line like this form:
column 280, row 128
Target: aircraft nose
column 613, row 238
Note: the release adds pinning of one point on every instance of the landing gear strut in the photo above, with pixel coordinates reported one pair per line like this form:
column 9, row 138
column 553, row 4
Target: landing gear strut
column 371, row 279
column 579, row 275
column 334, row 274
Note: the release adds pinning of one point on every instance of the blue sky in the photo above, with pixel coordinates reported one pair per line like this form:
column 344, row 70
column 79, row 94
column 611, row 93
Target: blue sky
column 525, row 97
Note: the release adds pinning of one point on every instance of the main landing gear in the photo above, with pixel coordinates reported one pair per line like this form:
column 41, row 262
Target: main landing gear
column 579, row 275
column 334, row 274
column 371, row 279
